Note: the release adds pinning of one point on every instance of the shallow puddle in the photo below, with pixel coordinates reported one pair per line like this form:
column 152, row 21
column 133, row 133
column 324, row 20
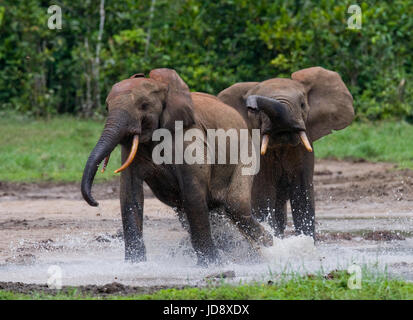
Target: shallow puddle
column 170, row 259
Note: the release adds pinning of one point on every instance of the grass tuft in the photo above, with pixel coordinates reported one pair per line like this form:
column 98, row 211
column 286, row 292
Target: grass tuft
column 375, row 142
column 334, row 286
column 54, row 150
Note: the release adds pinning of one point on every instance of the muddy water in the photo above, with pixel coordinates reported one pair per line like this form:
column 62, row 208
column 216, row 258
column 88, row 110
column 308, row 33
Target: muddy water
column 95, row 255
column 369, row 224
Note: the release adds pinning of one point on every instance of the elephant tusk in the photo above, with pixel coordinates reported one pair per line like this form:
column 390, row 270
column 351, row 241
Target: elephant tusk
column 105, row 164
column 304, row 140
column 264, row 144
column 132, row 154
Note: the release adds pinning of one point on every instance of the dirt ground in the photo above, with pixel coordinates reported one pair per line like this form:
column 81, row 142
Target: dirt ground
column 343, row 181
column 37, row 220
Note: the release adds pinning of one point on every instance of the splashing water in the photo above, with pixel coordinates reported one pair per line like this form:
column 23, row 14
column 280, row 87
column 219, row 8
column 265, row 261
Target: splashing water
column 172, row 261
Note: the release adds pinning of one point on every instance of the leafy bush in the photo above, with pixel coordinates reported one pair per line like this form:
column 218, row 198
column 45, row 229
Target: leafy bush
column 211, row 44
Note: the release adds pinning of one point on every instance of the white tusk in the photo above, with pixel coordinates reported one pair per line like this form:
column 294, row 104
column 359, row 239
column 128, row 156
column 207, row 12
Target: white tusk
column 132, row 154
column 264, row 144
column 305, row 141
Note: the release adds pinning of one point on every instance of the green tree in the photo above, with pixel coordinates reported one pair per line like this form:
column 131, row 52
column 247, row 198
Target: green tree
column 211, row 45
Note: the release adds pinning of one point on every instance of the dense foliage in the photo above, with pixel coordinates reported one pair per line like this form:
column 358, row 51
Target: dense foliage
column 211, row 44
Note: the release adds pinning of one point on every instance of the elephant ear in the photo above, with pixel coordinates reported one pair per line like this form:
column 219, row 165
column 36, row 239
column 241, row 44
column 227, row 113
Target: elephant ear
column 178, row 101
column 331, row 104
column 235, row 96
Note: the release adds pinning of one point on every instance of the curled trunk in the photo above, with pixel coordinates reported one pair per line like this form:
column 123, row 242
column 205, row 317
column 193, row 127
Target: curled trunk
column 275, row 110
column 115, row 130
column 281, row 119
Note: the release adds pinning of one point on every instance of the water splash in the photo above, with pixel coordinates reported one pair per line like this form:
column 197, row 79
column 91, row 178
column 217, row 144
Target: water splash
column 171, row 259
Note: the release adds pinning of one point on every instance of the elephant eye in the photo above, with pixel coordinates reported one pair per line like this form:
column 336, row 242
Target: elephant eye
column 144, row 106
column 302, row 105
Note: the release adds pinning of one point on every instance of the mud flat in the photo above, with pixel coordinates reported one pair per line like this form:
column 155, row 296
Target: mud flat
column 364, row 216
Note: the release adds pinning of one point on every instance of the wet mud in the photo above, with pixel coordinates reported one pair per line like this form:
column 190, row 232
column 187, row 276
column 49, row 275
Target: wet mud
column 364, row 215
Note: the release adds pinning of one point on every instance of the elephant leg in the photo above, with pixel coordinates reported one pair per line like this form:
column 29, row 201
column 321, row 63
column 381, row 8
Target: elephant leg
column 272, row 207
column 238, row 207
column 131, row 203
column 248, row 225
column 302, row 206
column 182, row 219
column 194, row 204
column 278, row 217
column 200, row 231
column 196, row 211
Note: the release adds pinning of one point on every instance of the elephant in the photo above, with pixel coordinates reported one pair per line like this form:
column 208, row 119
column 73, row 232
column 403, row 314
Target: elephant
column 137, row 107
column 291, row 114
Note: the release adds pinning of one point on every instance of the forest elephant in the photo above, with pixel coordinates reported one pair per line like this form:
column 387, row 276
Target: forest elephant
column 137, row 108
column 292, row 114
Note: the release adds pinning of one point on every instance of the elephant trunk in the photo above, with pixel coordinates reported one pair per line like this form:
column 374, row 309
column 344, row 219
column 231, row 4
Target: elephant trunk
column 275, row 110
column 116, row 128
column 279, row 114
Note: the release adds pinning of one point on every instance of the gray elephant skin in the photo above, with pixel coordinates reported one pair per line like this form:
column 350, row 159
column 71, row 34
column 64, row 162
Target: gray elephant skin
column 291, row 114
column 136, row 108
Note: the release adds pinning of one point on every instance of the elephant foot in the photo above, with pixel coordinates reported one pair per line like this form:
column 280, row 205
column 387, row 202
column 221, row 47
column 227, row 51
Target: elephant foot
column 207, row 259
column 135, row 255
column 278, row 227
column 307, row 233
column 278, row 233
column 261, row 237
column 266, row 239
column 133, row 258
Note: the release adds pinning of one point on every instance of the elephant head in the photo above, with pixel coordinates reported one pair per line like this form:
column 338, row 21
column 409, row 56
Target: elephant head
column 136, row 107
column 305, row 108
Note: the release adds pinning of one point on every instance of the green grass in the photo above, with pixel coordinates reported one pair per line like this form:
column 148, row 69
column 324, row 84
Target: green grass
column 315, row 287
column 376, row 142
column 54, row 150
column 57, row 150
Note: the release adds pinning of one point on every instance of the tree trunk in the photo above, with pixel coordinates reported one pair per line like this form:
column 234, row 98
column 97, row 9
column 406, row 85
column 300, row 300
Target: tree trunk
column 96, row 74
column 148, row 38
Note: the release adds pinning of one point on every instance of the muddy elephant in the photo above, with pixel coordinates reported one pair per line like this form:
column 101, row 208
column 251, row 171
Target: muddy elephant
column 137, row 107
column 291, row 114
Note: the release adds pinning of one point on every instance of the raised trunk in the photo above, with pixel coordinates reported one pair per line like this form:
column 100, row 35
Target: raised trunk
column 115, row 130
column 275, row 110
column 281, row 118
